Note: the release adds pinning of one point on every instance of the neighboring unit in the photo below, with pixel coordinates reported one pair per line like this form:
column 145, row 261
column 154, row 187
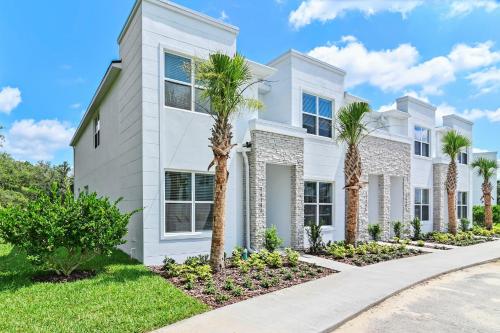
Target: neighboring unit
column 145, row 136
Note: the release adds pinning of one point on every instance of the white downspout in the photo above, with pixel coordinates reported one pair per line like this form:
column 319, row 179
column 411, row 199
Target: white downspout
column 244, row 151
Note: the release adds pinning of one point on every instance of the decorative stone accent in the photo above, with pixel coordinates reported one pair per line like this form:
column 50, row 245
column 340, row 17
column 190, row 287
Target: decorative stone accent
column 385, row 159
column 273, row 148
column 440, row 197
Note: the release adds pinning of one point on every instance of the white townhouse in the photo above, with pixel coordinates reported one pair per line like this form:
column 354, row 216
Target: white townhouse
column 144, row 137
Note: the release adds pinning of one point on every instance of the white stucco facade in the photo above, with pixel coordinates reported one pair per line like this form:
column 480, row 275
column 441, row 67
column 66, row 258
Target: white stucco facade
column 142, row 139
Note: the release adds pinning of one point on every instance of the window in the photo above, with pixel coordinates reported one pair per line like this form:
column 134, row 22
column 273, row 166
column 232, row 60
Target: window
column 97, row 131
column 462, row 205
column 318, row 203
column 422, row 204
column 182, row 91
column 463, row 158
column 317, row 115
column 422, row 141
column 188, row 201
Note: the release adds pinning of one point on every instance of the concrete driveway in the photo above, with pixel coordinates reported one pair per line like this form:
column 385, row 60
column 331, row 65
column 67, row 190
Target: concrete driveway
column 463, row 301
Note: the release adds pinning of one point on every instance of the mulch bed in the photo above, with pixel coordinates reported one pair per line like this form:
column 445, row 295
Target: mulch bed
column 55, row 278
column 302, row 273
column 369, row 259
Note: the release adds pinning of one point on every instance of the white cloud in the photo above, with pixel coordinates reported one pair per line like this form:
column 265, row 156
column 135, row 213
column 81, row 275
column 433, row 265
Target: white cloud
column 75, row 106
column 487, row 80
column 464, row 7
column 479, row 150
column 223, row 16
column 470, row 114
column 326, row 10
column 411, row 93
column 32, row 140
column 399, row 68
column 444, row 109
column 9, row 99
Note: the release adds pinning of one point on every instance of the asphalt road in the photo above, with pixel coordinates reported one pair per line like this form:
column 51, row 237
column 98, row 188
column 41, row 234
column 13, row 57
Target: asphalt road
column 463, row 301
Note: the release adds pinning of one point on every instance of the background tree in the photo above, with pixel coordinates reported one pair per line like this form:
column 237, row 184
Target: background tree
column 486, row 168
column 453, row 143
column 498, row 192
column 351, row 129
column 226, row 79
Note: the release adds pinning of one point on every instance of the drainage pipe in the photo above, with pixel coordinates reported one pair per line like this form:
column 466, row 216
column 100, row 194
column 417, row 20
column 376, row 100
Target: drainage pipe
column 244, row 151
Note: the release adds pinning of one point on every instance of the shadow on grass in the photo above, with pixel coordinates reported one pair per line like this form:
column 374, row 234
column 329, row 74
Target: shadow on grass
column 17, row 272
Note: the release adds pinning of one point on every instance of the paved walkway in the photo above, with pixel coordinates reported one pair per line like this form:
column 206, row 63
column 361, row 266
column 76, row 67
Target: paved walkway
column 324, row 304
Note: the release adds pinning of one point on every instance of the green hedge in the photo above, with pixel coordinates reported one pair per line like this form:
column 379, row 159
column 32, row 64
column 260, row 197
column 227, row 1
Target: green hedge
column 478, row 214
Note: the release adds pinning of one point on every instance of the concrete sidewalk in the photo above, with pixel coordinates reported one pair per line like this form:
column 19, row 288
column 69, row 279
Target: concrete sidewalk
column 324, row 304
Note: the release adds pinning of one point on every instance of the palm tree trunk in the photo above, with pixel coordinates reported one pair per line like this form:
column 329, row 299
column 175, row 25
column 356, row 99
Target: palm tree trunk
column 217, row 248
column 352, row 172
column 352, row 215
column 488, row 209
column 451, row 188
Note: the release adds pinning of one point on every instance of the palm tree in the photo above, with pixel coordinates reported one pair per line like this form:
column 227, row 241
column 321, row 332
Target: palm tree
column 453, row 142
column 351, row 129
column 226, row 79
column 486, row 169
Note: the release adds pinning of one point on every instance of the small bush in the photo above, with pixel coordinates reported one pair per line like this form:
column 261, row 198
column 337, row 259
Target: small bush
column 315, row 239
column 60, row 232
column 420, row 243
column 416, row 225
column 398, row 229
column 256, row 262
column 271, row 239
column 464, row 225
column 265, row 283
column 237, row 291
column 221, row 298
column 478, row 215
column 375, row 231
column 229, row 284
column 247, row 283
column 274, row 260
column 210, row 288
column 198, row 260
column 292, row 257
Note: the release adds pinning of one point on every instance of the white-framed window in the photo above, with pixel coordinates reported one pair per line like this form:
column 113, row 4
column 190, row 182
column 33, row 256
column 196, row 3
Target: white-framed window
column 317, row 115
column 318, row 203
column 422, row 207
column 462, row 205
column 463, row 157
column 189, row 201
column 182, row 91
column 422, row 141
column 97, row 131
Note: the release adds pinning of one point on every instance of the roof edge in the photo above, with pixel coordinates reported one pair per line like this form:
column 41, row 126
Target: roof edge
column 307, row 58
column 417, row 101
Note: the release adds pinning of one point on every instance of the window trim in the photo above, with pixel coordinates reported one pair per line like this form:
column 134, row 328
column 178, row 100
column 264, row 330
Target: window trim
column 317, row 204
column 422, row 204
column 185, row 234
column 317, row 116
column 460, row 157
column 191, row 84
column 421, row 142
column 466, row 204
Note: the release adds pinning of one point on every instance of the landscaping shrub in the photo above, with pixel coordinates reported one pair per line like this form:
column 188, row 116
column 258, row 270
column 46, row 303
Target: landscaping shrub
column 375, row 231
column 292, row 257
column 274, row 260
column 398, row 228
column 464, row 225
column 478, row 215
column 416, row 224
column 61, row 232
column 315, row 240
column 271, row 239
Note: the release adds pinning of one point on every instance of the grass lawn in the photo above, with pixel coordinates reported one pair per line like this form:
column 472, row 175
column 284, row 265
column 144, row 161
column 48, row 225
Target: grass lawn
column 123, row 297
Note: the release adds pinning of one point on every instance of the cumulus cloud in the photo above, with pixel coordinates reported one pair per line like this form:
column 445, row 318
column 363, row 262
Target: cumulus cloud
column 326, row 10
column 487, row 80
column 470, row 114
column 223, row 16
column 461, row 8
column 9, row 99
column 399, row 68
column 32, row 140
column 412, row 93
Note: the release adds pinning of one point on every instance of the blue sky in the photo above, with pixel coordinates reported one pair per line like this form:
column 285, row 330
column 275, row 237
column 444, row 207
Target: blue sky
column 54, row 54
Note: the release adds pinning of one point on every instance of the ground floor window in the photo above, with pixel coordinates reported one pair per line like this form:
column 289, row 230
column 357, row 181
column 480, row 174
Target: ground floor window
column 188, row 201
column 422, row 204
column 462, row 205
column 318, row 203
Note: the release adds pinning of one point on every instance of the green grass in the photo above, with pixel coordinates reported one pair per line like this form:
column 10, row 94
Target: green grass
column 123, row 297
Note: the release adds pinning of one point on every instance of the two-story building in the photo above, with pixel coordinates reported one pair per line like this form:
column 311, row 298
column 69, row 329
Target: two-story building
column 144, row 137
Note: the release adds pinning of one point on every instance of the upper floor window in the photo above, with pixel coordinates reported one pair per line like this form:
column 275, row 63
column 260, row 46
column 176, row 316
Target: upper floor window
column 97, row 131
column 182, row 91
column 422, row 204
column 422, row 141
column 318, row 203
column 462, row 205
column 189, row 201
column 317, row 115
column 463, row 157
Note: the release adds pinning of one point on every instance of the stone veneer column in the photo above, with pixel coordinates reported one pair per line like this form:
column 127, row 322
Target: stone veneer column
column 384, row 197
column 273, row 148
column 439, row 196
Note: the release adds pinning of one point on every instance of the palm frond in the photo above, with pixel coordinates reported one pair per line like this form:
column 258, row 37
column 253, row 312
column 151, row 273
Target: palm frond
column 453, row 142
column 351, row 126
column 485, row 167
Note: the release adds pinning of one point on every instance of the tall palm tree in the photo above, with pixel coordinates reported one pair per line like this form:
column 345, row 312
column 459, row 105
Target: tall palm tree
column 351, row 129
column 486, row 169
column 453, row 142
column 225, row 79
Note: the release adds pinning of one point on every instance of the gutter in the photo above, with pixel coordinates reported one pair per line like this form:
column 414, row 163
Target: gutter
column 244, row 149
